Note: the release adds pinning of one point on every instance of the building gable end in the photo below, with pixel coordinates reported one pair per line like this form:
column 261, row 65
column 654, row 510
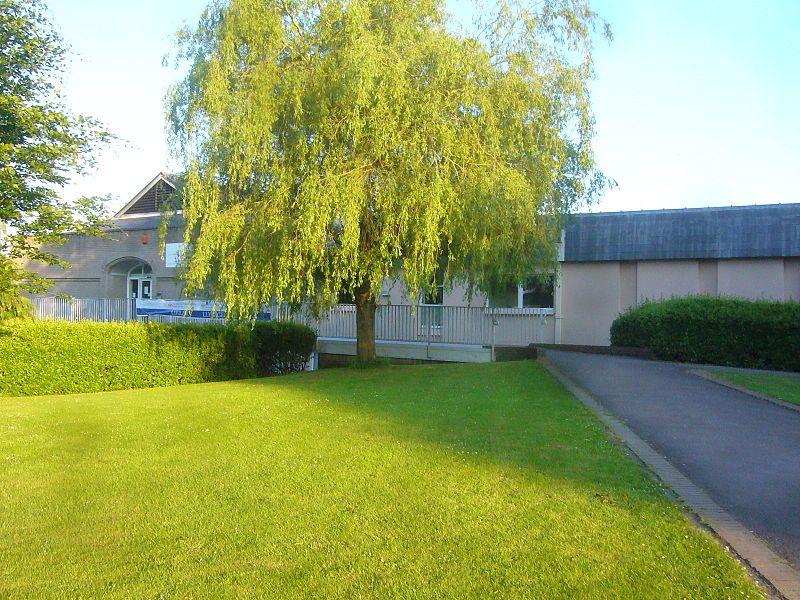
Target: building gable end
column 150, row 199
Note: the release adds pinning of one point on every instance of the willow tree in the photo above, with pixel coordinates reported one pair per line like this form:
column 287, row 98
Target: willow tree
column 330, row 144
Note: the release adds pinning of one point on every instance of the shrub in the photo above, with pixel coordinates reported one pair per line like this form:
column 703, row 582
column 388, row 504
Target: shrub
column 48, row 357
column 723, row 331
column 283, row 346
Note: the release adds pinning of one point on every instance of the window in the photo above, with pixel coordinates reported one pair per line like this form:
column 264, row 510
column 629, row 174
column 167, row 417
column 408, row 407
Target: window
column 174, row 254
column 139, row 271
column 537, row 294
column 534, row 293
column 431, row 310
column 435, row 296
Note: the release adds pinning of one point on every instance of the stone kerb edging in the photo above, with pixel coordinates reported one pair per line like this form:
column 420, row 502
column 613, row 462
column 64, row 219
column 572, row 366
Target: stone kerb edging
column 767, row 564
column 761, row 396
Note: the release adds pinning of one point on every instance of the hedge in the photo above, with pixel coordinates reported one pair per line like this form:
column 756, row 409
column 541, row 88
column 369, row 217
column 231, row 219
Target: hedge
column 51, row 357
column 720, row 331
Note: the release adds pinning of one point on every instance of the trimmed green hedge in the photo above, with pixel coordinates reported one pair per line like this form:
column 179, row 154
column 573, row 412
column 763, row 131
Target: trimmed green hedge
column 283, row 346
column 720, row 331
column 51, row 357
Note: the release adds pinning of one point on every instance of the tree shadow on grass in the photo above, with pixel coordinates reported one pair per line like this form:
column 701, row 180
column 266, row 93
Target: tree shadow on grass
column 511, row 414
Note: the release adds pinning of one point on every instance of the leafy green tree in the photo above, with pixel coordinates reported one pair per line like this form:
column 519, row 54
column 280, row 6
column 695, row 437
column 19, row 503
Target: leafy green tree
column 41, row 145
column 330, row 144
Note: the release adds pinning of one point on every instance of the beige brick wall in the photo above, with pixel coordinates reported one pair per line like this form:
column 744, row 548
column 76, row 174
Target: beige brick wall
column 593, row 294
column 590, row 301
column 754, row 279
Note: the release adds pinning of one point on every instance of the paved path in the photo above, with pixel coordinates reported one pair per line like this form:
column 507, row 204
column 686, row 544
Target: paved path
column 743, row 451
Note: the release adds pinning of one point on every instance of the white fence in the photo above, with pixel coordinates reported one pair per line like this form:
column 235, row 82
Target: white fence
column 85, row 309
column 440, row 324
column 399, row 323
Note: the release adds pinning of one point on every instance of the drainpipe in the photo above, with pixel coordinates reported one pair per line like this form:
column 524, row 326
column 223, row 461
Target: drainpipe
column 558, row 292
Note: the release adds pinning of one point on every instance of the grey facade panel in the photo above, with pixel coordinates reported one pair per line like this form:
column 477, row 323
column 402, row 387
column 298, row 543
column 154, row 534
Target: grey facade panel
column 702, row 233
column 142, row 223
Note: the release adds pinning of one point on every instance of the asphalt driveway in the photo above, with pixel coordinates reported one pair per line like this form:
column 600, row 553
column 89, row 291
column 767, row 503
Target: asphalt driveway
column 744, row 452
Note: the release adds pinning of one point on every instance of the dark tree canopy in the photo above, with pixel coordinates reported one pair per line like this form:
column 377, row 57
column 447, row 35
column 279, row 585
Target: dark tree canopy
column 331, row 143
column 41, row 146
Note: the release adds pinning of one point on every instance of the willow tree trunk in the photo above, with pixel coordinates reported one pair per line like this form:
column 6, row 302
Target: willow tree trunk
column 365, row 322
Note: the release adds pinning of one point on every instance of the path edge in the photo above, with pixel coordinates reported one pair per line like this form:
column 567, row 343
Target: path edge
column 739, row 388
column 767, row 564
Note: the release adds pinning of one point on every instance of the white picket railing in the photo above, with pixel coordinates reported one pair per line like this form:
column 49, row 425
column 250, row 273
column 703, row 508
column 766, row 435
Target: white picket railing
column 436, row 324
column 84, row 309
column 397, row 323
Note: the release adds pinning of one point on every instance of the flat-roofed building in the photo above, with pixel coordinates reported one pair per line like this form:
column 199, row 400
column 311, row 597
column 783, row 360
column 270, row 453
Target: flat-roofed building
column 612, row 261
column 609, row 262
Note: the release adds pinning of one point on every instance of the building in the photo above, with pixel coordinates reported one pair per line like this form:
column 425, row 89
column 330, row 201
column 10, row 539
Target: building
column 127, row 262
column 609, row 262
column 612, row 261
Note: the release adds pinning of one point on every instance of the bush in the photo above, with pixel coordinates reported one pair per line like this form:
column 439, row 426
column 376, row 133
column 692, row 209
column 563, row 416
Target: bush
column 720, row 331
column 50, row 357
column 283, row 346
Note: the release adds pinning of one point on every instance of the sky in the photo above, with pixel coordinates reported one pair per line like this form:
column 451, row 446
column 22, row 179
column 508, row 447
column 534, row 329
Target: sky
column 696, row 102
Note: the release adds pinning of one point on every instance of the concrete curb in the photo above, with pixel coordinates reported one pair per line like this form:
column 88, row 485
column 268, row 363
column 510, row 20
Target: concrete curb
column 719, row 381
column 784, row 579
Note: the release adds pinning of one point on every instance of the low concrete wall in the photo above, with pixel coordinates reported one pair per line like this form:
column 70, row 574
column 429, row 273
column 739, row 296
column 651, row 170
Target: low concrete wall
column 410, row 350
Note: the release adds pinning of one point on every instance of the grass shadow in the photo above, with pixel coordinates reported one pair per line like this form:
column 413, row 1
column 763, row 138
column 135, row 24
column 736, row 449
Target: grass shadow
column 513, row 414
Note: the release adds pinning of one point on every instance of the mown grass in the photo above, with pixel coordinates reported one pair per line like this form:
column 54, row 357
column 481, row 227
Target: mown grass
column 783, row 387
column 441, row 481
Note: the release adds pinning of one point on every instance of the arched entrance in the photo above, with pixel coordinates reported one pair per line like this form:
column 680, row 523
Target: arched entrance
column 130, row 277
column 140, row 282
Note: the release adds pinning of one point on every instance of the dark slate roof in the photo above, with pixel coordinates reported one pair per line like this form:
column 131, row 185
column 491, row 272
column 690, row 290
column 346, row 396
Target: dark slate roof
column 696, row 233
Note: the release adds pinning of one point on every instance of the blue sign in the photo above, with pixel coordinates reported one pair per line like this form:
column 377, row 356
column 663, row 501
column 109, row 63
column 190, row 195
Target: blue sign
column 198, row 309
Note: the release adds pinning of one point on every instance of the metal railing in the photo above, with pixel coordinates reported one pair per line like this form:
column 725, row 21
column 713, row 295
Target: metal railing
column 427, row 324
column 84, row 309
column 437, row 324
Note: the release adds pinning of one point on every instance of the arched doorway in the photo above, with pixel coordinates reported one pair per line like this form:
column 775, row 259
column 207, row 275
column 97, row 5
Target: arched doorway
column 130, row 277
column 140, row 282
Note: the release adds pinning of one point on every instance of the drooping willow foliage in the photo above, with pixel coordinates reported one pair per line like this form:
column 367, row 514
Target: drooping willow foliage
column 331, row 143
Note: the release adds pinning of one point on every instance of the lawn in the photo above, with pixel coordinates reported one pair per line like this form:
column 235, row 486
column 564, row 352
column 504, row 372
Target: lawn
column 439, row 481
column 783, row 387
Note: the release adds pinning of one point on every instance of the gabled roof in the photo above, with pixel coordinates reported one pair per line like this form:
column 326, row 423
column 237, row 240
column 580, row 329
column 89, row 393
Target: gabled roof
column 148, row 201
column 768, row 230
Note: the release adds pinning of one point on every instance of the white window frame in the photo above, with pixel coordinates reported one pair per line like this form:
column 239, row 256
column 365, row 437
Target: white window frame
column 521, row 298
column 140, row 277
column 431, row 329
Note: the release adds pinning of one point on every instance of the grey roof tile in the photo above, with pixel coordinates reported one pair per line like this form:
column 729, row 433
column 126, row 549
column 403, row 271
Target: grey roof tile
column 699, row 233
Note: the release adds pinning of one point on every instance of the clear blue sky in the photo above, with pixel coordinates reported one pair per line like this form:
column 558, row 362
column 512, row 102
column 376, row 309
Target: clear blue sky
column 696, row 102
